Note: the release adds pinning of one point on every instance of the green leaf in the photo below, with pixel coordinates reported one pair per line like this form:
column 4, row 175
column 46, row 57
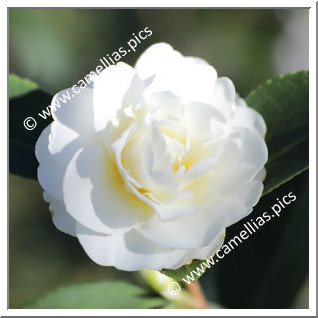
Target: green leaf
column 182, row 272
column 19, row 86
column 284, row 104
column 98, row 295
column 27, row 101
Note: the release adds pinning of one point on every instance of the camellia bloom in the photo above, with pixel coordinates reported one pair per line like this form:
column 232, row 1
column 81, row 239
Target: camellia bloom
column 149, row 165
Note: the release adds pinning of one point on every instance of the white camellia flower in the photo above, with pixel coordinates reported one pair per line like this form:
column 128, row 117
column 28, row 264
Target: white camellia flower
column 149, row 165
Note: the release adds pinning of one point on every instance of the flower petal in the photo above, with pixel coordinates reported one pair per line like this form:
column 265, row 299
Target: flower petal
column 131, row 251
column 61, row 219
column 117, row 87
column 77, row 112
column 223, row 96
column 54, row 149
column 243, row 153
column 154, row 59
column 95, row 195
column 187, row 80
column 210, row 249
column 157, row 185
column 249, row 118
column 199, row 119
column 164, row 106
column 207, row 223
column 243, row 200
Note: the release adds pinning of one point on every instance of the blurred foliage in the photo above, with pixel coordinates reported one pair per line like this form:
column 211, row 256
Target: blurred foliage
column 61, row 46
column 97, row 295
column 56, row 48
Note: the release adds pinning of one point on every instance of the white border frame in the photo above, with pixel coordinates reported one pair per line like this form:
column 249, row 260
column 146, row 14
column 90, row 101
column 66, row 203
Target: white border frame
column 312, row 161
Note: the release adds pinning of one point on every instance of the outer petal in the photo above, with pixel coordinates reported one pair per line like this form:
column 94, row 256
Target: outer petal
column 249, row 118
column 223, row 96
column 252, row 158
column 196, row 60
column 72, row 128
column 54, row 149
column 210, row 249
column 77, row 112
column 245, row 198
column 95, row 196
column 154, row 59
column 61, row 219
column 131, row 251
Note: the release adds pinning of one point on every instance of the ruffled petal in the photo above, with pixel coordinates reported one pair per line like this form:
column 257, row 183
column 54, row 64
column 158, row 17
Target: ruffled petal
column 157, row 188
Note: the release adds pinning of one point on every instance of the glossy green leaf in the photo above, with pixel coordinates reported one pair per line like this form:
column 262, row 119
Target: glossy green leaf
column 19, row 86
column 98, row 295
column 284, row 104
column 26, row 100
